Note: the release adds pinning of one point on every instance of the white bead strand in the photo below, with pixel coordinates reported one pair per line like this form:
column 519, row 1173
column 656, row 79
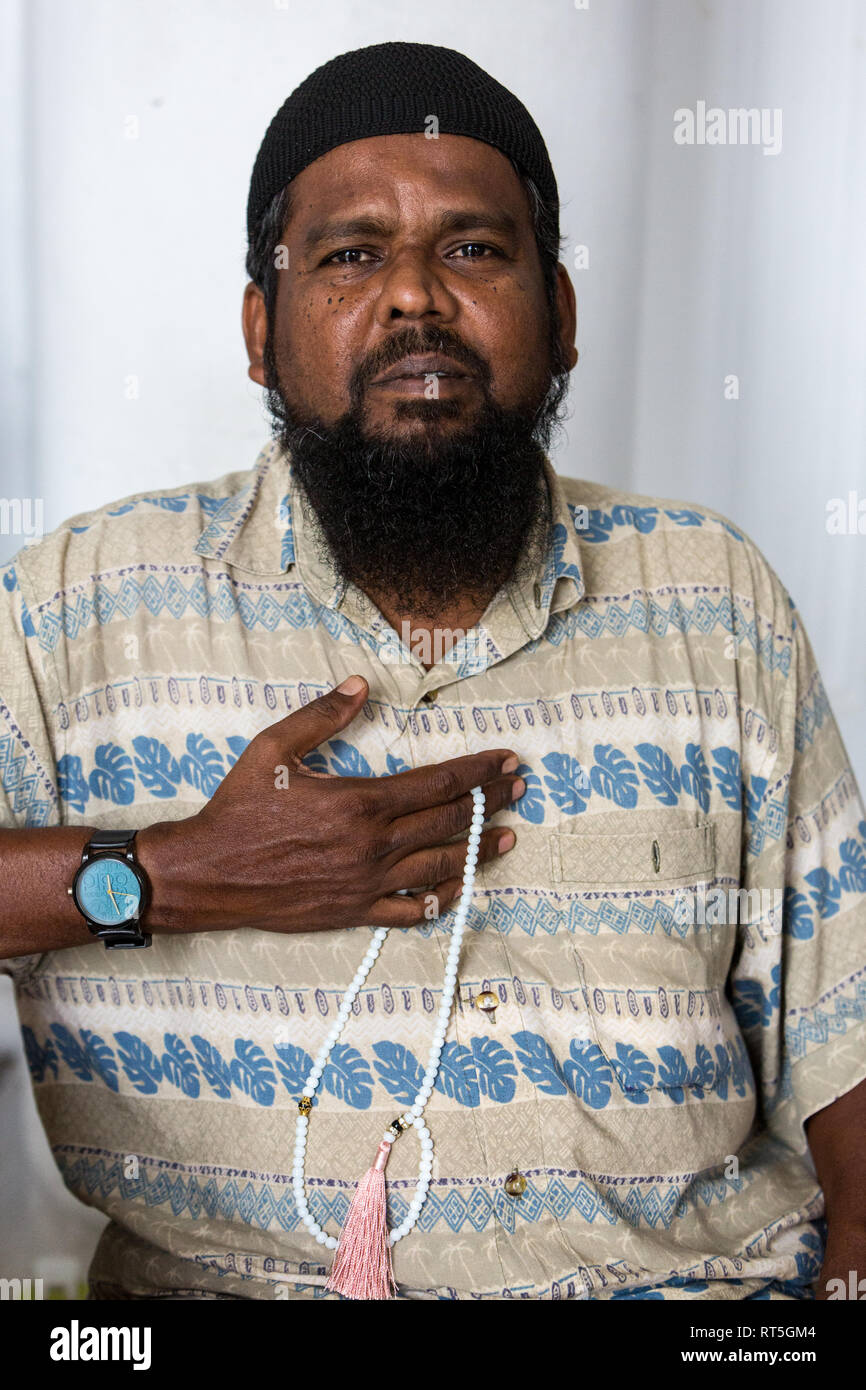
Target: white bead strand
column 414, row 1115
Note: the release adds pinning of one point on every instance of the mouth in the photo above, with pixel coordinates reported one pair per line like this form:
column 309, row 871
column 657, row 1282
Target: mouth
column 423, row 368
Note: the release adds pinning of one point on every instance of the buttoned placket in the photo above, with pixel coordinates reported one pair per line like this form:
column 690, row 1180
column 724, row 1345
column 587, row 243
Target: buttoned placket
column 517, row 614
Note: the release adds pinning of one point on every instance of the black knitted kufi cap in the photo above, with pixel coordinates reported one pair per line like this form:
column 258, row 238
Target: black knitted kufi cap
column 391, row 89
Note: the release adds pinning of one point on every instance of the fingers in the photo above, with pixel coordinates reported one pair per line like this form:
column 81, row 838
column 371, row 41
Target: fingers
column 305, row 728
column 438, row 824
column 413, row 909
column 444, row 861
column 439, row 783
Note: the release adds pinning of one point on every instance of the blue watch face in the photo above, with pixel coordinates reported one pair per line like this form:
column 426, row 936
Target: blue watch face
column 108, row 891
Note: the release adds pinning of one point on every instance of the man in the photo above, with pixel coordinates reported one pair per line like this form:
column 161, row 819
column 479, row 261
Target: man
column 663, row 975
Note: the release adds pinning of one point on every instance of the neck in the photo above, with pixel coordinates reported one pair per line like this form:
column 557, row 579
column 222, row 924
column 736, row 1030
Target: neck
column 430, row 638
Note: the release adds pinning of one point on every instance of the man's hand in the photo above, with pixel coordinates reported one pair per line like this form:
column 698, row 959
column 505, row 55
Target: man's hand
column 321, row 851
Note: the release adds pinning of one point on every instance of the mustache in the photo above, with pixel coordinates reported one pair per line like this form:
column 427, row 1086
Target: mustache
column 412, row 342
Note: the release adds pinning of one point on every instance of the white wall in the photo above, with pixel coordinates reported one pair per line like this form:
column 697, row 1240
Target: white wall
column 123, row 257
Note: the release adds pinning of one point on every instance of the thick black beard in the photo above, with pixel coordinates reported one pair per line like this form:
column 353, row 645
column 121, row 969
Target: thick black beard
column 436, row 519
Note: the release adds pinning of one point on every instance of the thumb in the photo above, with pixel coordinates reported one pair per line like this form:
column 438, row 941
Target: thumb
column 305, row 728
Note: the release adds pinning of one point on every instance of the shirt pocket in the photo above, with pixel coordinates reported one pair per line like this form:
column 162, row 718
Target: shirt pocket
column 651, row 983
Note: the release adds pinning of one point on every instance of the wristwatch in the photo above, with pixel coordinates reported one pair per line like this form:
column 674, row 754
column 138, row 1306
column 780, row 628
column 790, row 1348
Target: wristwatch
column 111, row 891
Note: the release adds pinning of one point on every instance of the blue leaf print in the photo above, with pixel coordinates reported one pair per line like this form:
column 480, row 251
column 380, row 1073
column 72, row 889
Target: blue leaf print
column 40, row 1060
column 71, row 782
column 158, row 769
column 739, row 1065
column 599, row 527
column 748, row 1002
column 26, row 621
column 210, row 505
column 294, row 1066
column 531, row 804
column 754, row 797
column 139, row 1063
column 202, row 765
column 588, row 1074
column 72, row 1052
column 723, row 1070
column 347, row 1076
column 252, row 1072
column 634, row 1071
column 826, row 892
column 809, row 1259
column 121, row 511
column 659, row 773
column 395, row 765
column 539, row 1063
column 315, row 761
column 457, row 1079
column 684, row 516
column 852, row 874
column 703, row 1072
column 495, row 1068
column 101, row 1058
column 567, row 783
column 643, row 519
column 399, row 1071
column 695, row 776
column 797, row 916
column 214, row 1069
column 727, row 774
column 10, row 578
column 346, row 761
column 178, row 1065
column 562, row 570
column 113, row 776
column 237, row 743
column 614, row 776
column 169, row 504
column 674, row 1073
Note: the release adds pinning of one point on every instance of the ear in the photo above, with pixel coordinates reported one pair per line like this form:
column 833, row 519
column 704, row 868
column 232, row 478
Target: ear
column 254, row 321
column 567, row 306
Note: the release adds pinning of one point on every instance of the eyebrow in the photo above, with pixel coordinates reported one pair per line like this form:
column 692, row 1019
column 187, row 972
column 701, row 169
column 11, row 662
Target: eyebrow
column 458, row 220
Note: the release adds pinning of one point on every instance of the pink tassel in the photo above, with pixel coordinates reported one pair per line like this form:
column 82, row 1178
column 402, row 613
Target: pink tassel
column 362, row 1261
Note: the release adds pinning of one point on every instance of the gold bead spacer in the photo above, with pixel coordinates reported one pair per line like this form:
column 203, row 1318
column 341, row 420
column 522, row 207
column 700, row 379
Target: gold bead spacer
column 305, row 1104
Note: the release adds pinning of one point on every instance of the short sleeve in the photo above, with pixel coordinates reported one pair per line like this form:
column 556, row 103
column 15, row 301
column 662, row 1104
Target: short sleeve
column 28, row 772
column 799, row 982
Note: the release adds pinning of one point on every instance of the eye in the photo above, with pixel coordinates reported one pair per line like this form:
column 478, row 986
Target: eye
column 353, row 251
column 478, row 247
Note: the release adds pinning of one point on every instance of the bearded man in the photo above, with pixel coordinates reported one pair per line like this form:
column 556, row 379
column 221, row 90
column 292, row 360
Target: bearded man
column 642, row 1075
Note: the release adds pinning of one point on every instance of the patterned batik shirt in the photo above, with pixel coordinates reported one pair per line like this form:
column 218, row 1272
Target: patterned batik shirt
column 677, row 942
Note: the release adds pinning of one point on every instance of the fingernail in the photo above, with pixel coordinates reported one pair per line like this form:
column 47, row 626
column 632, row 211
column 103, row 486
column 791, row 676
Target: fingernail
column 505, row 841
column 518, row 788
column 510, row 763
column 351, row 685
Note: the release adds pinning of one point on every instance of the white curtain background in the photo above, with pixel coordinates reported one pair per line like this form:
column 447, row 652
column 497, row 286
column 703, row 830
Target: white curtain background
column 127, row 138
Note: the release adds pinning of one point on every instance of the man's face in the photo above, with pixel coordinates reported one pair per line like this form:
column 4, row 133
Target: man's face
column 398, row 244
column 413, row 366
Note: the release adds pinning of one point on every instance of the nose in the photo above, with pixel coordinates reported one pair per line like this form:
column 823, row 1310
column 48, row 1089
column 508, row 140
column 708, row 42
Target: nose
column 412, row 288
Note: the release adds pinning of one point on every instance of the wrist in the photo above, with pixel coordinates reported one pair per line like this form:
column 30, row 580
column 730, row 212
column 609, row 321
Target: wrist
column 157, row 851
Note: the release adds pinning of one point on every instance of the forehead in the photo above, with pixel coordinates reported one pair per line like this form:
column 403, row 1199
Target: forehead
column 408, row 172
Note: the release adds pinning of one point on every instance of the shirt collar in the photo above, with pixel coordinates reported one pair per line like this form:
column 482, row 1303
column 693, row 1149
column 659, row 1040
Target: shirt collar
column 267, row 527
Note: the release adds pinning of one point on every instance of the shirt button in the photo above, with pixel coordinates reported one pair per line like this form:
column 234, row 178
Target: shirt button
column 536, row 594
column 431, row 697
column 515, row 1184
column 487, row 1002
